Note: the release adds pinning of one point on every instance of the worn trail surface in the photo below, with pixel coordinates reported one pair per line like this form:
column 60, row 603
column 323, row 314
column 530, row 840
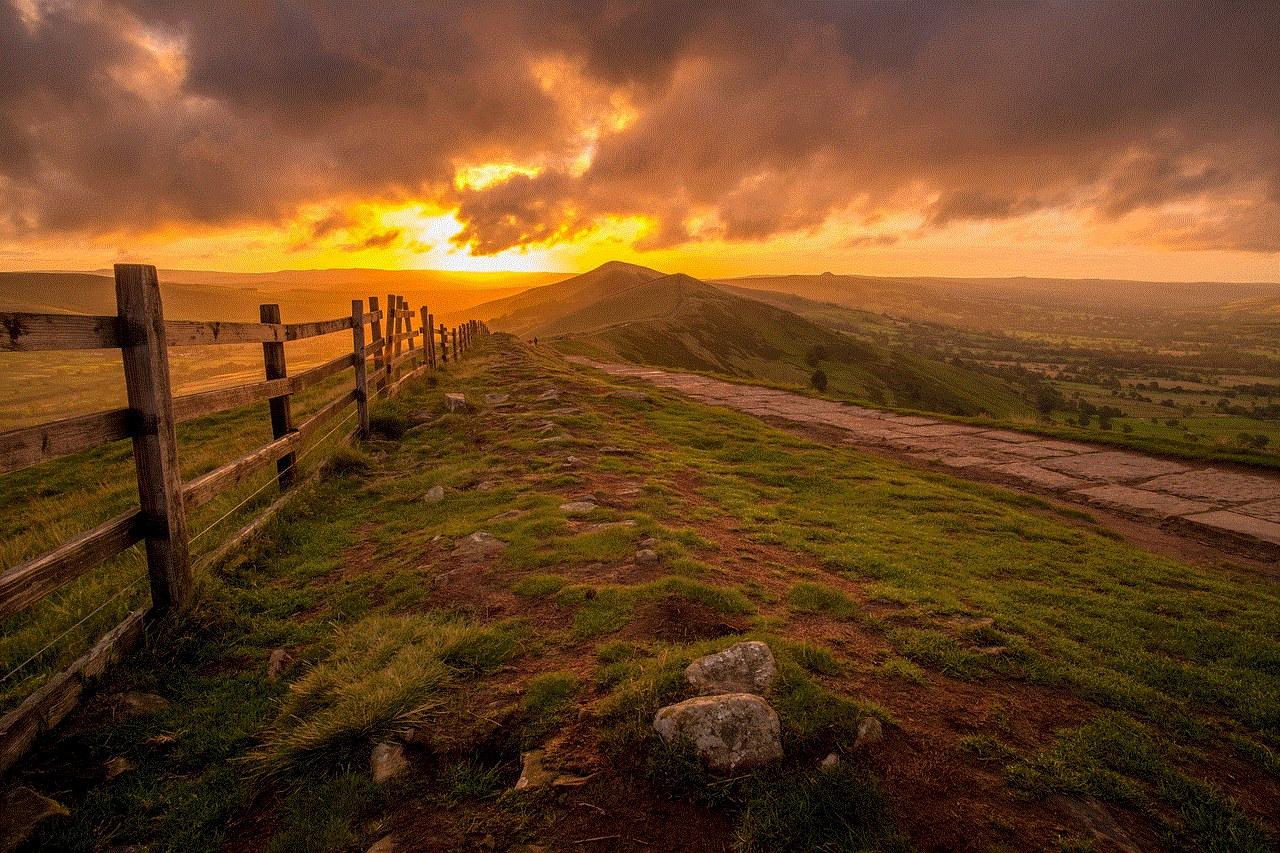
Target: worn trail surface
column 1224, row 507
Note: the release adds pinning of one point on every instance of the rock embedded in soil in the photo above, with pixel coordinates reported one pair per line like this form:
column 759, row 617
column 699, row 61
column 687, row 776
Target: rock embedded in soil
column 276, row 663
column 1096, row 819
column 434, row 495
column 627, row 394
column 496, row 399
column 387, row 761
column 577, row 507
column 731, row 732
column 118, row 766
column 478, row 545
column 644, row 556
column 21, row 810
column 532, row 774
column 743, row 668
column 870, row 731
column 831, row 762
column 455, row 402
column 385, row 844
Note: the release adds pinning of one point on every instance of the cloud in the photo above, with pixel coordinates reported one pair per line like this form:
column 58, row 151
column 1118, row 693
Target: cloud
column 1156, row 122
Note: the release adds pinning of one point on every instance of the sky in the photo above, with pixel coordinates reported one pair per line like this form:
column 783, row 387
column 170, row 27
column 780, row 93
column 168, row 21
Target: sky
column 1071, row 139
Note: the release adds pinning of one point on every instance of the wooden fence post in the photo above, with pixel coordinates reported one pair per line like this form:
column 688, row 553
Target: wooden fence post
column 408, row 325
column 145, row 354
column 281, row 417
column 427, row 343
column 455, row 343
column 444, row 344
column 362, row 378
column 393, row 334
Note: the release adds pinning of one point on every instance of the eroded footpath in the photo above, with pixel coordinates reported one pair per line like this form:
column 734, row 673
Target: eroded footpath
column 1227, row 505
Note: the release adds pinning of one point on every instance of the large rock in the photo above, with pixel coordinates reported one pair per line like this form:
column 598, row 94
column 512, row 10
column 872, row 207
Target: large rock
column 387, row 761
column 743, row 668
column 478, row 546
column 21, row 809
column 455, row 403
column 732, row 732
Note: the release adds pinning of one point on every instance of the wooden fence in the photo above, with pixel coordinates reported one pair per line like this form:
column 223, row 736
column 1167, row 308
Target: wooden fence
column 381, row 360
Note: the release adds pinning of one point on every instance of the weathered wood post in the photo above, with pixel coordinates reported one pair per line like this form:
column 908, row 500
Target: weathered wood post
column 357, row 350
column 376, row 341
column 144, row 351
column 444, row 344
column 428, row 339
column 408, row 326
column 281, row 416
column 455, row 343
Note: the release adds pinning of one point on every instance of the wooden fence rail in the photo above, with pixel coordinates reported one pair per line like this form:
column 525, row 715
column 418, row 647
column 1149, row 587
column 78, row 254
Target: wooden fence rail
column 392, row 353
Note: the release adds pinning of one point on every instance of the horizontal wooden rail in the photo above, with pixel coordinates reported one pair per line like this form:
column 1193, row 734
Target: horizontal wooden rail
column 26, row 332
column 198, row 492
column 56, row 698
column 208, row 402
column 27, row 446
column 27, row 583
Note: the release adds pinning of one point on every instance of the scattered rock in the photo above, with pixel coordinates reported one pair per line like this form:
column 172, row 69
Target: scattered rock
column 742, row 668
column 455, row 402
column 385, row 844
column 577, row 507
column 548, row 396
column 444, row 578
column 988, row 651
column 142, row 703
column 276, row 663
column 434, row 495
column 532, row 774
column 118, row 766
column 486, row 486
column 616, row 451
column 627, row 394
column 573, row 460
column 732, row 732
column 645, row 556
column 870, row 731
column 478, row 545
column 568, row 780
column 649, row 542
column 387, row 761
column 556, row 439
column 420, row 417
column 1094, row 817
column 496, row 399
column 628, row 492
column 831, row 762
column 21, row 810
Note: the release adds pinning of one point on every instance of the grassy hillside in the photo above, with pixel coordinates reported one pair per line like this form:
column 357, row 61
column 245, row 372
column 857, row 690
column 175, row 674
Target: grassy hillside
column 1034, row 679
column 622, row 312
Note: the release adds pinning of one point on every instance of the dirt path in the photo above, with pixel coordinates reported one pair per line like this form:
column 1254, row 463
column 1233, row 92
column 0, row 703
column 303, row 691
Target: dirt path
column 1183, row 509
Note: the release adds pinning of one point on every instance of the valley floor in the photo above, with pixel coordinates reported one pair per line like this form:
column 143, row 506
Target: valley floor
column 1041, row 686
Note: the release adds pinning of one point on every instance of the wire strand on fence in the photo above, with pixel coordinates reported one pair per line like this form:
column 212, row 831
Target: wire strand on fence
column 73, row 626
column 298, row 458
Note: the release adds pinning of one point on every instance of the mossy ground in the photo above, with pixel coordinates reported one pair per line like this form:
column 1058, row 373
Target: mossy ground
column 1009, row 653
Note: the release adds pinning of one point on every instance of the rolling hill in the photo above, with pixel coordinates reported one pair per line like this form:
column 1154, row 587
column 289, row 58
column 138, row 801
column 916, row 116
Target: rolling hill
column 625, row 312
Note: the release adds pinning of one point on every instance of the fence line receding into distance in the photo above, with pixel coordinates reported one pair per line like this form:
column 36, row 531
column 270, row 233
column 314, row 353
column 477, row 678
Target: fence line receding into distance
column 383, row 361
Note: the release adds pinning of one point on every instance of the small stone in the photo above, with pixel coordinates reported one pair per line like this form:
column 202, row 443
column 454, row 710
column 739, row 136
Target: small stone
column 742, row 668
column 486, row 486
column 627, row 394
column 142, row 703
column 117, row 766
column 870, row 731
column 276, row 663
column 548, row 396
column 613, row 450
column 488, row 842
column 577, row 507
column 649, row 542
column 732, row 732
column 532, row 774
column 506, row 516
column 434, row 495
column 573, row 460
column 455, row 402
column 988, row 651
column 387, row 761
column 21, row 810
column 496, row 399
column 831, row 762
column 568, row 780
column 556, row 439
column 420, row 417
column 385, row 844
column 645, row 556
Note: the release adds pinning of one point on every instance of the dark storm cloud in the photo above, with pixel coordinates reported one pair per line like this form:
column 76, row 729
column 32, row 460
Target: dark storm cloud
column 754, row 119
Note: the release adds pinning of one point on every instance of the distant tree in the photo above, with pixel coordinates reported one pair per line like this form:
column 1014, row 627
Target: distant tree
column 818, row 381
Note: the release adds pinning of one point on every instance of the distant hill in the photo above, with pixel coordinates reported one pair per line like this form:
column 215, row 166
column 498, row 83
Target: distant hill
column 630, row 313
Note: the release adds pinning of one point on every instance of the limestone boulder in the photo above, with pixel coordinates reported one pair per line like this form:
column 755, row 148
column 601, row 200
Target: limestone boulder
column 733, row 732
column 743, row 668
